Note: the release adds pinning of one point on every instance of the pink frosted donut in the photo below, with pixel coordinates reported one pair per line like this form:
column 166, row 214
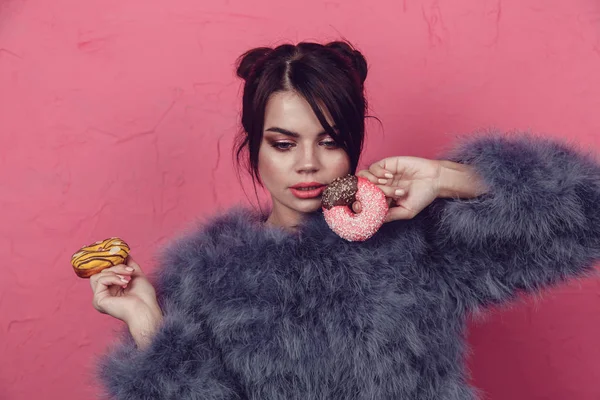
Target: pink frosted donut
column 337, row 200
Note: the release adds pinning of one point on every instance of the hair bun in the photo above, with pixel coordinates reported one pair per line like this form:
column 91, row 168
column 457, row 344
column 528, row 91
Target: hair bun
column 358, row 60
column 247, row 61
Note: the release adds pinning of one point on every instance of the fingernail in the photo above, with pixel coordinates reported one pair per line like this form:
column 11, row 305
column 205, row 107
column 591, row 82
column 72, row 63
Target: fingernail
column 130, row 269
column 388, row 175
column 399, row 192
column 122, row 278
column 382, row 181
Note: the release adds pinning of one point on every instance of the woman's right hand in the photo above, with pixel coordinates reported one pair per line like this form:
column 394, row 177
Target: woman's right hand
column 124, row 292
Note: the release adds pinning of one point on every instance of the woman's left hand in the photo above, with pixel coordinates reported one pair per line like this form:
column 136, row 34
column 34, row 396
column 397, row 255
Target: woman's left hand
column 410, row 184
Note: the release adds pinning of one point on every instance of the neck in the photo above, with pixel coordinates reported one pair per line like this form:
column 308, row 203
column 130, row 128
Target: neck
column 284, row 217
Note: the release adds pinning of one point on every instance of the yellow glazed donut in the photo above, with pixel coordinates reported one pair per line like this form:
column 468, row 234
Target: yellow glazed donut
column 98, row 256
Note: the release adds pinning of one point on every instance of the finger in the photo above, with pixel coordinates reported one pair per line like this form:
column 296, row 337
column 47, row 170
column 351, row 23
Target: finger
column 369, row 176
column 397, row 165
column 382, row 174
column 394, row 192
column 124, row 278
column 131, row 263
column 112, row 279
column 94, row 280
column 397, row 213
column 122, row 269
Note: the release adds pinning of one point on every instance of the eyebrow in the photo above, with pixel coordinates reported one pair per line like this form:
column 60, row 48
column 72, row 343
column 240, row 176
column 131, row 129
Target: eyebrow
column 291, row 133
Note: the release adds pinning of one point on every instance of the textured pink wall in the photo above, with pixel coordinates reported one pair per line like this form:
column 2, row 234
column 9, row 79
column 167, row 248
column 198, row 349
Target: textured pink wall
column 113, row 113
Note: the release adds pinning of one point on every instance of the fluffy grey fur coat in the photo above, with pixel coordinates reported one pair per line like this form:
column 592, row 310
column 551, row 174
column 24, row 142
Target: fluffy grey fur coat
column 253, row 312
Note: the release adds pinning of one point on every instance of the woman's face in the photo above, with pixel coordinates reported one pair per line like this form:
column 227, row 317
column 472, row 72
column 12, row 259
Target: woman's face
column 296, row 159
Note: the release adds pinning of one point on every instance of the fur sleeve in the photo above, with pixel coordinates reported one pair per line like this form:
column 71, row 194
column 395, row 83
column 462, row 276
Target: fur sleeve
column 182, row 361
column 538, row 225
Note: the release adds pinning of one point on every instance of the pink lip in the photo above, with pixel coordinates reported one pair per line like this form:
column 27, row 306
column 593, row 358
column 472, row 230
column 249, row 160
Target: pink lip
column 307, row 184
column 308, row 194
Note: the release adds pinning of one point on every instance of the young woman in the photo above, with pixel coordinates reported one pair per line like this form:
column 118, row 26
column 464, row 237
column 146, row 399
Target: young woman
column 277, row 306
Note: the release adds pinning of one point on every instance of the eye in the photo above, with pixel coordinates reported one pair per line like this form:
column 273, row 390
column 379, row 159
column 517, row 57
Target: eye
column 329, row 143
column 282, row 145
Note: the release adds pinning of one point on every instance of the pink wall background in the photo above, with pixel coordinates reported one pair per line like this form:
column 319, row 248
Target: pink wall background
column 117, row 118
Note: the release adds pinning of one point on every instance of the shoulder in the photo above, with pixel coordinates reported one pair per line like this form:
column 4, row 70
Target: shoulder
column 202, row 246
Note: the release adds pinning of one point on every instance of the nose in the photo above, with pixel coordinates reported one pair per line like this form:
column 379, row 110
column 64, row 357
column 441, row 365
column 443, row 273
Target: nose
column 308, row 161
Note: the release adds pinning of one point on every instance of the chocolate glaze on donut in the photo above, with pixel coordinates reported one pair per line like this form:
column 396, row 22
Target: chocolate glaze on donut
column 340, row 192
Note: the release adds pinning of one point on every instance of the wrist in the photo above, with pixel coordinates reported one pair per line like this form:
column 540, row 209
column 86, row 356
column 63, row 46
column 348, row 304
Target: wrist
column 144, row 325
column 459, row 181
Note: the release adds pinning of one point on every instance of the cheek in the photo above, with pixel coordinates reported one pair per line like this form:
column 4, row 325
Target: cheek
column 340, row 163
column 268, row 166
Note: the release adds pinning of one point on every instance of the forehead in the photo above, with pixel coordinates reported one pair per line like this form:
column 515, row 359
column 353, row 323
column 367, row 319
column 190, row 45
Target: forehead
column 289, row 110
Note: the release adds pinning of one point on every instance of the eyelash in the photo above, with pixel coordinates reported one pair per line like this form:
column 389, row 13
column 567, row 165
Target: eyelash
column 285, row 146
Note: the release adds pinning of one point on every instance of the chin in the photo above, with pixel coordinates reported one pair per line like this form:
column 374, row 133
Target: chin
column 308, row 206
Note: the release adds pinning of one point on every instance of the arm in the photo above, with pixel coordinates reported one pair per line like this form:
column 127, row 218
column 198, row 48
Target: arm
column 536, row 221
column 174, row 356
column 459, row 181
column 143, row 328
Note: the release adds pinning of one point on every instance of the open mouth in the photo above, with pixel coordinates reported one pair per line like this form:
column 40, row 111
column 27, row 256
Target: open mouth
column 308, row 188
column 308, row 192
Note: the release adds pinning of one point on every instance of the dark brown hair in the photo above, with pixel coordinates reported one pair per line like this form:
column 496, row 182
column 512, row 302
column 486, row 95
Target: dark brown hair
column 330, row 77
